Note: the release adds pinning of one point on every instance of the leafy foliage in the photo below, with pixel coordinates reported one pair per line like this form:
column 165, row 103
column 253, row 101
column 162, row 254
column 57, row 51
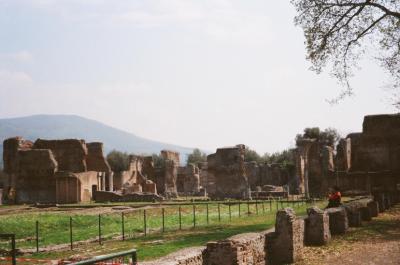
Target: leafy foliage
column 158, row 161
column 329, row 136
column 196, row 157
column 338, row 32
column 118, row 161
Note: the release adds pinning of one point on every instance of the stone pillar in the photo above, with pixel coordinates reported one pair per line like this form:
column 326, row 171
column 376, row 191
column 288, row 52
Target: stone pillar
column 353, row 214
column 380, row 198
column 317, row 227
column 103, row 181
column 110, row 176
column 373, row 208
column 285, row 245
column 338, row 222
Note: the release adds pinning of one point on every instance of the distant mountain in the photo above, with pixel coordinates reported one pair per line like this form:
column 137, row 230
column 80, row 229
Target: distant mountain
column 71, row 126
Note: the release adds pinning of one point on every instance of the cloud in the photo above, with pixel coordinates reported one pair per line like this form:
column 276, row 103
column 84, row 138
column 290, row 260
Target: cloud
column 20, row 56
column 13, row 80
column 221, row 20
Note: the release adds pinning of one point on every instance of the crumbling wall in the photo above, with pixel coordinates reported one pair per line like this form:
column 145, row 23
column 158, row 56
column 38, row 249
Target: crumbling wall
column 253, row 174
column 35, row 181
column 69, row 153
column 230, row 174
column 95, row 159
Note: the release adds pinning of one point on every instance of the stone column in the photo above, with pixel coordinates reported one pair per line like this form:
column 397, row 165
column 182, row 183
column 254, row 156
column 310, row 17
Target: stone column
column 110, row 176
column 285, row 245
column 317, row 227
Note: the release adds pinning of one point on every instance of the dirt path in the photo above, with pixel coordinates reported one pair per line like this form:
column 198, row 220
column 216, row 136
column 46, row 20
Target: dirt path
column 377, row 242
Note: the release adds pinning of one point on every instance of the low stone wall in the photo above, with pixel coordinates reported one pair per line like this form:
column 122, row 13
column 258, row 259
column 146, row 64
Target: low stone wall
column 243, row 249
column 109, row 196
column 188, row 256
column 281, row 245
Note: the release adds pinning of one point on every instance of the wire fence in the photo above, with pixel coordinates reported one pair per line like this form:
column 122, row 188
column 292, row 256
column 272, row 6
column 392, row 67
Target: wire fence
column 38, row 232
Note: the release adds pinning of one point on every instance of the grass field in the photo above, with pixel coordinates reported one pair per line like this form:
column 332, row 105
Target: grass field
column 54, row 227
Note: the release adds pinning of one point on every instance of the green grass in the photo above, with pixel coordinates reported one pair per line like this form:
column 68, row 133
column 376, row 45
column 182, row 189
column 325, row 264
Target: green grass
column 54, row 227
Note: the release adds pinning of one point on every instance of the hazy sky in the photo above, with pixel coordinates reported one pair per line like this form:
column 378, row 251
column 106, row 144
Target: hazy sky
column 198, row 73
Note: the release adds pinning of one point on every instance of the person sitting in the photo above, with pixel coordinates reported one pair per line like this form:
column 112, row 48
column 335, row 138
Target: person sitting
column 335, row 197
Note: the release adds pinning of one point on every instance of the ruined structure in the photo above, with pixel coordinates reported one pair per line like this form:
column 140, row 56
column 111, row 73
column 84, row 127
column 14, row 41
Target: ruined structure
column 53, row 171
column 227, row 173
column 188, row 182
column 367, row 162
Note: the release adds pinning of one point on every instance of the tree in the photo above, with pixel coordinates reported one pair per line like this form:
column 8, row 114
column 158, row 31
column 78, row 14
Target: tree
column 338, row 32
column 251, row 155
column 329, row 136
column 118, row 161
column 196, row 157
column 158, row 161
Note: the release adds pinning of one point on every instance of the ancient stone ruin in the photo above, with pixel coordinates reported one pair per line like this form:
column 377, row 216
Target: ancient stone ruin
column 227, row 173
column 365, row 163
column 53, row 171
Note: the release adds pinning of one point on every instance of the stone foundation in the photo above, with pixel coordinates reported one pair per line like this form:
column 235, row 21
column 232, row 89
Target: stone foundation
column 338, row 222
column 373, row 208
column 243, row 249
column 285, row 245
column 317, row 227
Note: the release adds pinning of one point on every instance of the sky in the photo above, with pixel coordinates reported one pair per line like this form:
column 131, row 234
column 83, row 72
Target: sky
column 197, row 73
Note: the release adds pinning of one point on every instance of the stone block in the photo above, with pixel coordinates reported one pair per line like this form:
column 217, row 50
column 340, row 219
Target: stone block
column 365, row 213
column 353, row 211
column 380, row 198
column 373, row 208
column 243, row 249
column 285, row 245
column 317, row 227
column 338, row 222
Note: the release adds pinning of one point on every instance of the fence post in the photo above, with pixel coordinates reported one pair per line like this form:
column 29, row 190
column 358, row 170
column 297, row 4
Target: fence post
column 277, row 206
column 256, row 207
column 239, row 208
column 180, row 218
column 37, row 236
column 70, row 233
column 248, row 208
column 281, row 204
column 270, row 205
column 163, row 219
column 219, row 213
column 194, row 215
column 123, row 225
column 99, row 229
column 134, row 258
column 207, row 214
column 144, row 222
column 13, row 250
column 230, row 213
column 263, row 206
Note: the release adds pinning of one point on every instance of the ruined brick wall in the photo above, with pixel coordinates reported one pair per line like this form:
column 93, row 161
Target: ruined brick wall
column 211, row 185
column 191, row 184
column 69, row 153
column 203, row 167
column 253, row 174
column 95, row 159
column 228, row 168
column 35, row 181
column 343, row 156
column 76, row 187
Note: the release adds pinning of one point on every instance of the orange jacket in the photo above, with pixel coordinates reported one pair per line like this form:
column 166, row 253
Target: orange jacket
column 335, row 196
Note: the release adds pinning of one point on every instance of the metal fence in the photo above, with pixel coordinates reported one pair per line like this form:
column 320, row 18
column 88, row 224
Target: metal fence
column 141, row 222
column 119, row 258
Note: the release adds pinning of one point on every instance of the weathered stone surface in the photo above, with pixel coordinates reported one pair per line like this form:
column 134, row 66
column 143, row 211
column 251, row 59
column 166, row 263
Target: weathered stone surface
column 338, row 222
column 380, row 199
column 95, row 159
column 285, row 245
column 243, row 249
column 228, row 169
column 32, row 170
column 188, row 256
column 387, row 201
column 373, row 208
column 69, row 153
column 317, row 227
column 107, row 196
column 353, row 211
column 191, row 183
column 170, row 178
